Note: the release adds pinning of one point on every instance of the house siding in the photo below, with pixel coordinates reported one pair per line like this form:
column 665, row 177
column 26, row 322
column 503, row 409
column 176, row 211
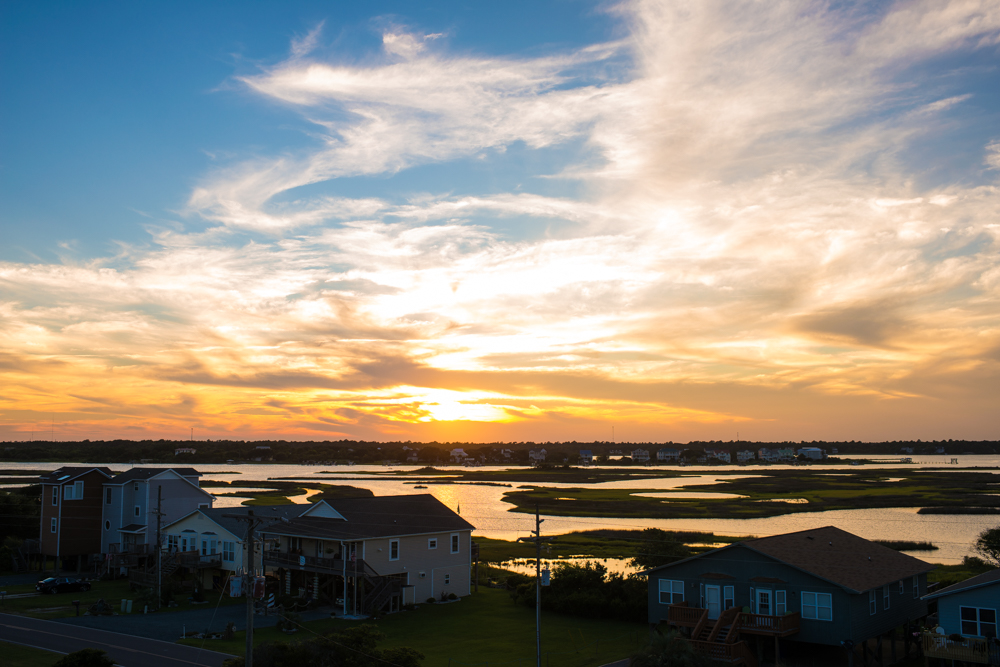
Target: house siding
column 78, row 521
column 948, row 605
column 850, row 611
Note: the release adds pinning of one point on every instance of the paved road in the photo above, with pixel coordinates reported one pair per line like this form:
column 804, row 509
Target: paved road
column 168, row 626
column 127, row 650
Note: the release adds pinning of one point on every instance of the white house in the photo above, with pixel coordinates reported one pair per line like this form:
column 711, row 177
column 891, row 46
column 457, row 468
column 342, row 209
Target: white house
column 640, row 455
column 586, row 457
column 536, row 455
column 744, row 456
column 458, row 455
column 668, row 454
column 814, row 453
column 719, row 455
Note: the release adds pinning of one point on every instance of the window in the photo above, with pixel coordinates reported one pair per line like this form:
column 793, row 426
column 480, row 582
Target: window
column 137, row 510
column 209, row 546
column 902, row 588
column 52, row 525
column 728, row 597
column 780, row 607
column 135, row 487
column 203, row 506
column 423, row 575
column 916, row 586
column 819, row 606
column 73, row 491
column 432, row 543
column 229, row 551
column 978, row 622
column 107, row 525
column 447, row 579
column 55, row 495
column 107, row 496
column 393, row 549
column 885, row 597
column 172, row 541
column 454, row 543
column 872, row 602
column 671, row 591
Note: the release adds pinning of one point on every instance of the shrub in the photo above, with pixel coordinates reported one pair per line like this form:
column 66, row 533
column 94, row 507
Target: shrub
column 452, row 596
column 431, row 600
column 88, row 657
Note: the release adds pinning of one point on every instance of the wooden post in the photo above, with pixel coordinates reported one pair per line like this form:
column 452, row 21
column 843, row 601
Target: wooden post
column 777, row 651
column 892, row 644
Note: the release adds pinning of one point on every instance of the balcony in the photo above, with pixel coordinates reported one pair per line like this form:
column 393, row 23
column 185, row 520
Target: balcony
column 750, row 624
column 969, row 649
column 313, row 563
column 731, row 654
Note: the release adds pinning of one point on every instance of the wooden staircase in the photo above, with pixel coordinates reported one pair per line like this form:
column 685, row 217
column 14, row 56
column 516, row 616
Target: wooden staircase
column 719, row 640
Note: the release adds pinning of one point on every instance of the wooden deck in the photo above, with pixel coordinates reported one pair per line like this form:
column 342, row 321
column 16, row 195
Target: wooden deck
column 314, row 563
column 978, row 651
column 749, row 624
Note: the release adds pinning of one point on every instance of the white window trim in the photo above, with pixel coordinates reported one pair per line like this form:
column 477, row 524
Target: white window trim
column 780, row 603
column 916, row 586
column 55, row 496
column 136, row 510
column 52, row 525
column 978, row 622
column 902, row 587
column 817, row 598
column 447, row 579
column 432, row 543
column 885, row 596
column 728, row 596
column 671, row 587
column 393, row 543
column 872, row 602
column 456, row 543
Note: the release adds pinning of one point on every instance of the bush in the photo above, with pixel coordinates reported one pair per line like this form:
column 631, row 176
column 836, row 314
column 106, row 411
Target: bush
column 588, row 590
column 431, row 600
column 452, row 596
column 88, row 657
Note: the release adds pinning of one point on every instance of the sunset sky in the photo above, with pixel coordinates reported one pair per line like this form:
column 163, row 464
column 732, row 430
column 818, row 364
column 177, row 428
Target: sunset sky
column 500, row 221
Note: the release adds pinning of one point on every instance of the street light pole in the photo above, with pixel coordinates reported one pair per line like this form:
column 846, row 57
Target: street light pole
column 252, row 523
column 537, row 539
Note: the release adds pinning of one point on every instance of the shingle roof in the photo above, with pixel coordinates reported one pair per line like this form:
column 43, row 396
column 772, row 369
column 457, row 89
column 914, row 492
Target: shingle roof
column 380, row 516
column 71, row 472
column 145, row 473
column 239, row 528
column 840, row 557
column 984, row 579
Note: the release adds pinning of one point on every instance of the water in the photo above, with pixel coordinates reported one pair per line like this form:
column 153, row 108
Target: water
column 482, row 505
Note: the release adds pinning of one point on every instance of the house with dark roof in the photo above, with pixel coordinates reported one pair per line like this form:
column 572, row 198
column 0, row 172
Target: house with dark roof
column 968, row 614
column 70, row 528
column 404, row 549
column 133, row 498
column 820, row 586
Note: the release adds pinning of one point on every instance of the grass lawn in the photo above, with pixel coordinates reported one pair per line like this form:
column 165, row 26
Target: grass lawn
column 15, row 655
column 484, row 627
column 60, row 605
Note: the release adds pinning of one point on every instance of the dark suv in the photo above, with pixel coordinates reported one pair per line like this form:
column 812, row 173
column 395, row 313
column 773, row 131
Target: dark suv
column 61, row 585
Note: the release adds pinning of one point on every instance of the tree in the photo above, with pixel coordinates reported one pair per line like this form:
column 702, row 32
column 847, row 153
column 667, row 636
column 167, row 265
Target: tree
column 88, row 657
column 659, row 547
column 988, row 545
column 668, row 650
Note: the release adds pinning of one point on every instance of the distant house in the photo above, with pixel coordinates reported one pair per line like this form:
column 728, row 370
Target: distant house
column 970, row 608
column 906, row 450
column 821, row 586
column 458, row 455
column 536, row 455
column 412, row 456
column 586, row 457
column 184, row 450
column 813, row 453
column 70, row 528
column 744, row 456
column 640, row 455
column 668, row 454
column 719, row 455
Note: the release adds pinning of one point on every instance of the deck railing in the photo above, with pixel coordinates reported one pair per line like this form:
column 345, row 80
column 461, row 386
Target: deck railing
column 762, row 624
column 314, row 563
column 681, row 614
column 970, row 649
column 733, row 654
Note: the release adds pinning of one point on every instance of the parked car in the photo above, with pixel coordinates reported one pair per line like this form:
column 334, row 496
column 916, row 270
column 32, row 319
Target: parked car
column 61, row 585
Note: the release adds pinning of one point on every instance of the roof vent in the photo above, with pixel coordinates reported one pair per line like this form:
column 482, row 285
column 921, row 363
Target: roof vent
column 831, row 544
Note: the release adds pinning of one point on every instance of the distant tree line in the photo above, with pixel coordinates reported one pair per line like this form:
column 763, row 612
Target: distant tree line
column 359, row 451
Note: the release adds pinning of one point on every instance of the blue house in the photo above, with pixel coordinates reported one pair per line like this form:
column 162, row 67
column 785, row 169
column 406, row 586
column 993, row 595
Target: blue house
column 821, row 586
column 967, row 621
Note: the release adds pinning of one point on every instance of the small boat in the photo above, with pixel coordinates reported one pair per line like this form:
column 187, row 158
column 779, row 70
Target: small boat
column 420, row 486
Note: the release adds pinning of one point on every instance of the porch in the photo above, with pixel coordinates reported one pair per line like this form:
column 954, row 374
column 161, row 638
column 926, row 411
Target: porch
column 969, row 649
column 681, row 615
column 319, row 564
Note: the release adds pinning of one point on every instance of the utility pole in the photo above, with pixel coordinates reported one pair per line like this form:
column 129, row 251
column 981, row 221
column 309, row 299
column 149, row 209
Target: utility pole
column 159, row 547
column 537, row 539
column 252, row 523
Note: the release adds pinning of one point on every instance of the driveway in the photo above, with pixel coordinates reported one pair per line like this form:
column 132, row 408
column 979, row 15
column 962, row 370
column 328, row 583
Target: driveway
column 126, row 650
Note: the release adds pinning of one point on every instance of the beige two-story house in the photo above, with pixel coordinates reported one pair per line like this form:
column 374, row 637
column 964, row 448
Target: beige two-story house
column 372, row 554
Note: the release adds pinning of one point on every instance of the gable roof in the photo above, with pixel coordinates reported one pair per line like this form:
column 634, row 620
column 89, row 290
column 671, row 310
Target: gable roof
column 239, row 528
column 978, row 581
column 138, row 474
column 834, row 555
column 380, row 516
column 70, row 473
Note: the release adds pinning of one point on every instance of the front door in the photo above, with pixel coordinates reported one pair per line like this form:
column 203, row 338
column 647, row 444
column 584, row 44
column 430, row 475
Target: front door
column 764, row 602
column 713, row 601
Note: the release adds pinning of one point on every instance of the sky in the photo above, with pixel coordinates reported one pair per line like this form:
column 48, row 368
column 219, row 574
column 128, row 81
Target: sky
column 643, row 221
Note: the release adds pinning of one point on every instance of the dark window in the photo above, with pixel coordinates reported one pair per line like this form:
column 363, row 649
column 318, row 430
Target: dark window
column 107, row 495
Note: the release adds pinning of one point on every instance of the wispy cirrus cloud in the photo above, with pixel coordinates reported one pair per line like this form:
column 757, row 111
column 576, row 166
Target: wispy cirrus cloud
column 751, row 246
